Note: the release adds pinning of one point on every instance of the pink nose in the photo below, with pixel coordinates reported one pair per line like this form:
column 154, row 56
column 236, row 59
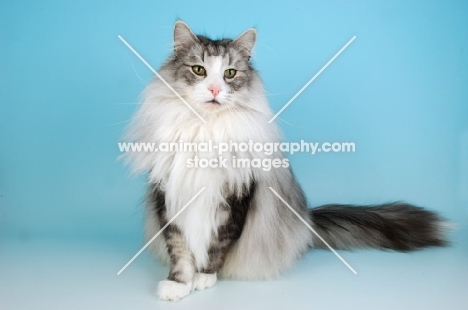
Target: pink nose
column 214, row 89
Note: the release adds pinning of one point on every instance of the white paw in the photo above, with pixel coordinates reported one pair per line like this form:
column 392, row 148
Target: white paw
column 203, row 280
column 171, row 290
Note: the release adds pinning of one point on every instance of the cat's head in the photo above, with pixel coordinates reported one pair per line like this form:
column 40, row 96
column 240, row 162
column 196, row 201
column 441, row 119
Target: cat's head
column 213, row 75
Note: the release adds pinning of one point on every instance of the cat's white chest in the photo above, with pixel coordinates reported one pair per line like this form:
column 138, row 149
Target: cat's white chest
column 200, row 219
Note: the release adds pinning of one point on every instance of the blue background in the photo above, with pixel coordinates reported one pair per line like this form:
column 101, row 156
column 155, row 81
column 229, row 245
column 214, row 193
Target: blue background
column 70, row 212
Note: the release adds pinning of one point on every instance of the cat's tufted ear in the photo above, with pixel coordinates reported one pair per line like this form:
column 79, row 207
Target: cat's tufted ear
column 245, row 42
column 183, row 36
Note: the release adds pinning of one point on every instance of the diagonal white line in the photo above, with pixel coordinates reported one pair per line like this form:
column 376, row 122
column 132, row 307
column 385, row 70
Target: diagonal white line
column 160, row 231
column 161, row 78
column 310, row 227
column 312, row 79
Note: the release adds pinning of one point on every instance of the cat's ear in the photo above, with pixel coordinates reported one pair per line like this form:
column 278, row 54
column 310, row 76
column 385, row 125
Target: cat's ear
column 245, row 42
column 183, row 36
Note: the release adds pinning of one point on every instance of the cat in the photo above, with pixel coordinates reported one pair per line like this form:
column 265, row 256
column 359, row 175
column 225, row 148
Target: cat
column 237, row 227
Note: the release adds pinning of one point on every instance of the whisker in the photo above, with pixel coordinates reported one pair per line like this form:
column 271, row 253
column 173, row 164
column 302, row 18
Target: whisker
column 136, row 73
column 120, row 123
column 287, row 123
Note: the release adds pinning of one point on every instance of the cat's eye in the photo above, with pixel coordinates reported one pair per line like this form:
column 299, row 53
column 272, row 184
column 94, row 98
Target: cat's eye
column 230, row 73
column 198, row 70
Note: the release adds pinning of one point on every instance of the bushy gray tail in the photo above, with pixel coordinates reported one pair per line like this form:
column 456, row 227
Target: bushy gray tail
column 396, row 226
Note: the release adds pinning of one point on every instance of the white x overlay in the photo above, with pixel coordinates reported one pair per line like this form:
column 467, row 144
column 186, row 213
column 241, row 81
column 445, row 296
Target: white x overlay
column 271, row 120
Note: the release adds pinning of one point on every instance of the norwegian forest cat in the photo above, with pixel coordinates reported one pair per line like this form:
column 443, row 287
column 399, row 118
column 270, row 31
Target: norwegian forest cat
column 237, row 227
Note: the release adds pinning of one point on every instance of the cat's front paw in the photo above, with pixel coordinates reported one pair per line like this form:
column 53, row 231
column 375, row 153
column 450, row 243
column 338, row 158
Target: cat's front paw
column 203, row 280
column 172, row 290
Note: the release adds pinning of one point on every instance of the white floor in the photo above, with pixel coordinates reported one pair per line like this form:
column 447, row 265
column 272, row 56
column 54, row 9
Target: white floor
column 81, row 274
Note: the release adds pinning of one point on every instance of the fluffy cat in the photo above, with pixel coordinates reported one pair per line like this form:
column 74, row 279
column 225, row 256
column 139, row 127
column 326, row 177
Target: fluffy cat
column 237, row 227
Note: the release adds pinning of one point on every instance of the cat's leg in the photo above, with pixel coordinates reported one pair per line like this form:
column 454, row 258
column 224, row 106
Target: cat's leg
column 179, row 282
column 207, row 277
column 235, row 211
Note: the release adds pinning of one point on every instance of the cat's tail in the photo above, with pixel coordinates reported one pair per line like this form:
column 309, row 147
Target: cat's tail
column 397, row 226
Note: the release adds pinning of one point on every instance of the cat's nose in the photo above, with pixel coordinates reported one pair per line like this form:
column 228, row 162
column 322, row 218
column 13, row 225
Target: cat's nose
column 214, row 89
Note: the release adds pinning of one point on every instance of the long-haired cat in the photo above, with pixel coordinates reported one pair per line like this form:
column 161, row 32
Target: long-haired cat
column 237, row 227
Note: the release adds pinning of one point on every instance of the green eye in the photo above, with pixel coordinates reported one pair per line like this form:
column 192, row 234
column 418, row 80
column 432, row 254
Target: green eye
column 230, row 73
column 198, row 70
